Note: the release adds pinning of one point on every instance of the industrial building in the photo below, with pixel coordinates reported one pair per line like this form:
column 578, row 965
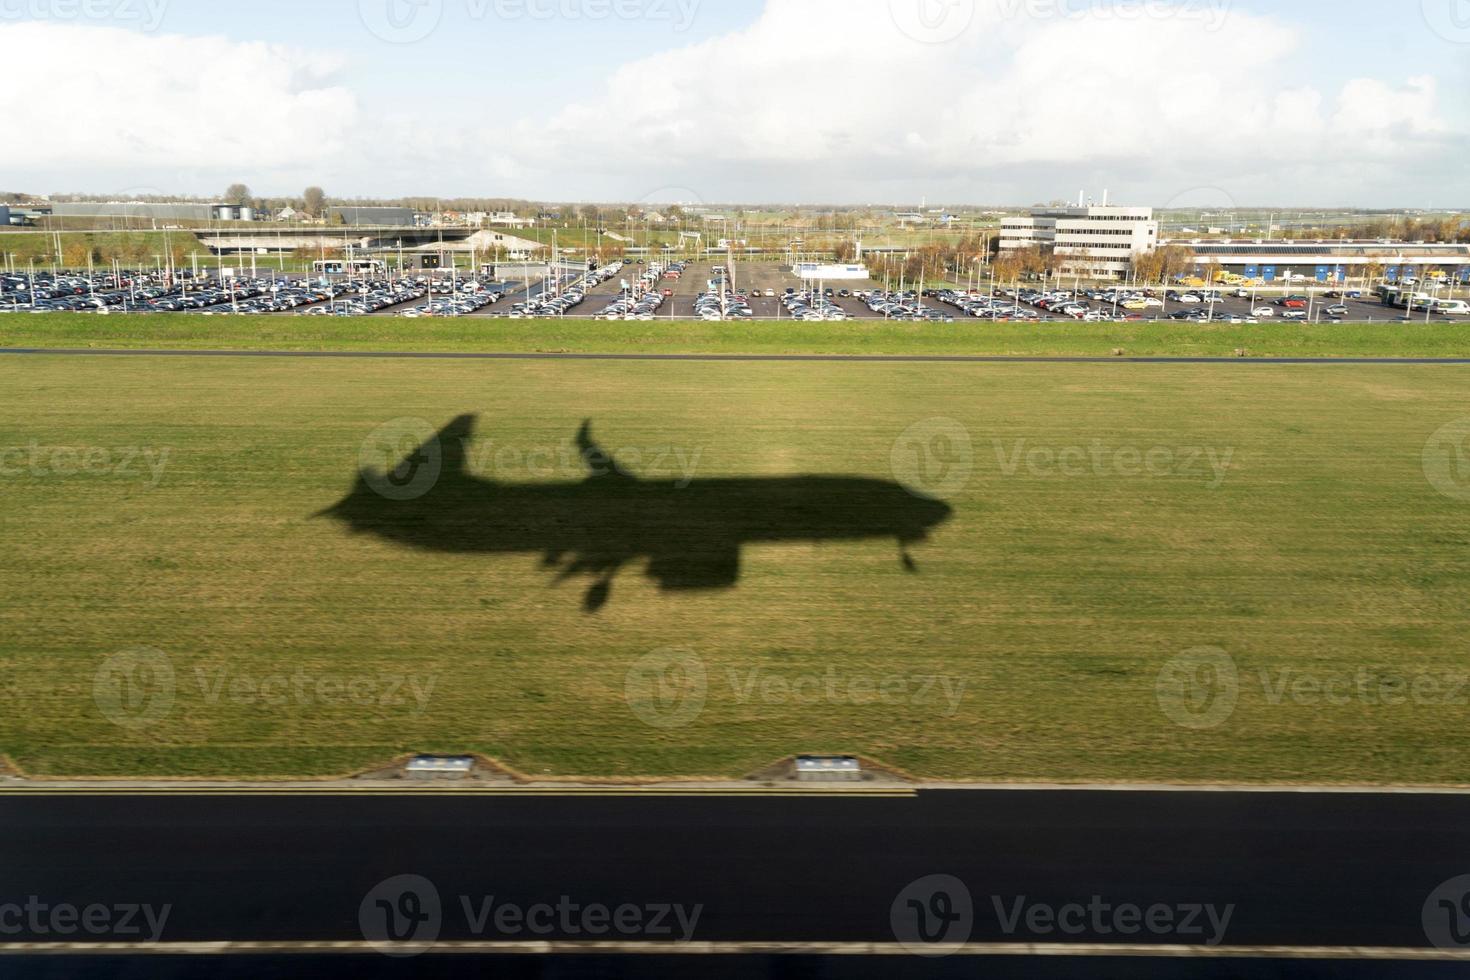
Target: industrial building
column 1331, row 261
column 146, row 211
column 353, row 215
column 1098, row 241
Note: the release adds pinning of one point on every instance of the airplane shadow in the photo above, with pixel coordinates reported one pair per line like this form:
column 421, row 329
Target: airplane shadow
column 689, row 534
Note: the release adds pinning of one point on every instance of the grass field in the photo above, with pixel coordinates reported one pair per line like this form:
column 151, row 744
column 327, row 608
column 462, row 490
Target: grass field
column 1114, row 519
column 80, row 330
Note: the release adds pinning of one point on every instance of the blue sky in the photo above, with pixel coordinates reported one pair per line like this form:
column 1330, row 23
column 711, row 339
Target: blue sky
column 525, row 56
column 860, row 101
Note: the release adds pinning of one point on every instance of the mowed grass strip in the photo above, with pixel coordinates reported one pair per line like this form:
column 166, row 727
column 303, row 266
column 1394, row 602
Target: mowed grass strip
column 964, row 337
column 1285, row 520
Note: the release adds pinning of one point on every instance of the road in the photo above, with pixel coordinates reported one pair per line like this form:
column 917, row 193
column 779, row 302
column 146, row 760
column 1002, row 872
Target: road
column 1212, row 873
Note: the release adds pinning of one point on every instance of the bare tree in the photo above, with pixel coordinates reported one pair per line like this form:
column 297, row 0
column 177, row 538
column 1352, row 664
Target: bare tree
column 314, row 200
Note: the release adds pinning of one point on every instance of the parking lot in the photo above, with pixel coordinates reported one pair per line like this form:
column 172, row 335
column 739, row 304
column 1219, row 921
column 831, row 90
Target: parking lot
column 1225, row 305
column 646, row 289
column 756, row 286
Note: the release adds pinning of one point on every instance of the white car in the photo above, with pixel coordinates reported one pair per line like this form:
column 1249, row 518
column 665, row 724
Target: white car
column 1263, row 311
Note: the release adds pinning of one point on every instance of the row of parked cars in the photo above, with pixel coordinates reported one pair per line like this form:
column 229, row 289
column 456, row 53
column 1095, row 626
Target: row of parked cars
column 548, row 304
column 462, row 303
column 599, row 276
column 1123, row 304
column 812, row 306
column 906, row 306
column 147, row 292
column 101, row 292
column 722, row 305
column 643, row 298
column 626, row 307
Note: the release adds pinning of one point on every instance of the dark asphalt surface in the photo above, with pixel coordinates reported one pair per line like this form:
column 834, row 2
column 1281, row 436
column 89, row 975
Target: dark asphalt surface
column 1299, row 869
column 1292, row 869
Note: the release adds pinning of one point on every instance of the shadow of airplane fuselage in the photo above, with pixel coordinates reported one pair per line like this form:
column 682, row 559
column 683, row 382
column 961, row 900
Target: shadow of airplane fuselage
column 689, row 533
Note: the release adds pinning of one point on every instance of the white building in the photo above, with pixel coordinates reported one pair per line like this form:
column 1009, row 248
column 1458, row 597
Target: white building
column 830, row 272
column 1097, row 240
column 509, row 219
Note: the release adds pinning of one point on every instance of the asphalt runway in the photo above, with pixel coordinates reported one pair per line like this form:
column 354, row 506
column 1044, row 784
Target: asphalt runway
column 1213, row 873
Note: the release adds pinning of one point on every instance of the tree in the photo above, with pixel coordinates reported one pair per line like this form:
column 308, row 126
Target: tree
column 1006, row 267
column 77, row 251
column 238, row 194
column 314, row 199
column 1372, row 272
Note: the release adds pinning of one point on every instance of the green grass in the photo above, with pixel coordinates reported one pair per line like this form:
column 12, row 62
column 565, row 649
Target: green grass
column 77, row 330
column 1055, row 600
column 135, row 248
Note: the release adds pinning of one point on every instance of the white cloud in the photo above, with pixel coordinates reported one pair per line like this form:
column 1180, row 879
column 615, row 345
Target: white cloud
column 830, row 96
column 815, row 100
column 105, row 98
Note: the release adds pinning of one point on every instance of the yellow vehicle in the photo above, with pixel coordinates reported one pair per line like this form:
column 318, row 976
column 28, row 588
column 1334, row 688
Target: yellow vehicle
column 1230, row 279
column 1134, row 304
column 1193, row 282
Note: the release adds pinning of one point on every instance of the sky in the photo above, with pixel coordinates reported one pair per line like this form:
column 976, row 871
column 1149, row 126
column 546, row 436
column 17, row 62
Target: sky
column 1183, row 103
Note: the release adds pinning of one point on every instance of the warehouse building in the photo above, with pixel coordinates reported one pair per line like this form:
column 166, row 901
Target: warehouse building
column 147, row 211
column 352, row 215
column 1332, row 261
